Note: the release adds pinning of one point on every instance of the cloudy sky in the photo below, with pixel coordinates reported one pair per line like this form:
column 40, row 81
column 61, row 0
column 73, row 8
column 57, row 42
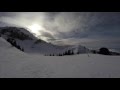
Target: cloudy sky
column 92, row 29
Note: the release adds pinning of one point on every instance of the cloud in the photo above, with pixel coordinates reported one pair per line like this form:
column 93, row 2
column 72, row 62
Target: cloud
column 22, row 18
column 71, row 21
column 69, row 27
column 62, row 24
column 47, row 36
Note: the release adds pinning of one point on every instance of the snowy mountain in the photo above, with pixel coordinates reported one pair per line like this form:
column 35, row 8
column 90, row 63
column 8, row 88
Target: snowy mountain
column 17, row 64
column 27, row 41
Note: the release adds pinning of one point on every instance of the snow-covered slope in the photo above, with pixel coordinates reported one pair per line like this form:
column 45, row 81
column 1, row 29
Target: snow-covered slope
column 3, row 43
column 17, row 64
column 31, row 44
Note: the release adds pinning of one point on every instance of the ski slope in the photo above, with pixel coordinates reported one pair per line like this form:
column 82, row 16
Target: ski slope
column 17, row 64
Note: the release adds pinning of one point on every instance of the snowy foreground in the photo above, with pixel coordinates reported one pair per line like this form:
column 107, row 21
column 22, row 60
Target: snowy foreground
column 16, row 64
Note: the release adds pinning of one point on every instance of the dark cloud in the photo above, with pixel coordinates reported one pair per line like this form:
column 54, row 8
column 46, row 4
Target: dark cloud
column 47, row 36
column 67, row 25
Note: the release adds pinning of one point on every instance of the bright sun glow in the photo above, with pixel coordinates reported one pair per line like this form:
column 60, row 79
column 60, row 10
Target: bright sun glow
column 35, row 28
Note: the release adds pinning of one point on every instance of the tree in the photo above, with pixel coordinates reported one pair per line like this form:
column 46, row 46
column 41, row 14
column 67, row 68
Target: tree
column 14, row 43
column 72, row 53
column 78, row 52
column 94, row 51
column 8, row 40
column 22, row 49
column 66, row 53
column 60, row 54
column 63, row 53
column 69, row 52
column 18, row 47
column 104, row 51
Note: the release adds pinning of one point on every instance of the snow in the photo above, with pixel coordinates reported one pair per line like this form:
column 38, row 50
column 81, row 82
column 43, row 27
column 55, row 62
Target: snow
column 115, row 50
column 42, row 47
column 17, row 64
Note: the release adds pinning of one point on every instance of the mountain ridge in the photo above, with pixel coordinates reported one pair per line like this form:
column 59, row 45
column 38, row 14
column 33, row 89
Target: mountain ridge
column 32, row 44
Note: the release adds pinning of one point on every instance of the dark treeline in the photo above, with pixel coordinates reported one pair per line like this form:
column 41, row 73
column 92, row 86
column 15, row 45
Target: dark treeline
column 104, row 51
column 13, row 43
column 68, row 52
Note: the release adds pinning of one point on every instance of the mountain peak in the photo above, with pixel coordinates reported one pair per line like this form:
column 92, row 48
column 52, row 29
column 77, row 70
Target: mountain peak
column 23, row 39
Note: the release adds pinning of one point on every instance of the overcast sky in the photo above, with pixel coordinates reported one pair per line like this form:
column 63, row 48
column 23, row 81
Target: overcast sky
column 70, row 27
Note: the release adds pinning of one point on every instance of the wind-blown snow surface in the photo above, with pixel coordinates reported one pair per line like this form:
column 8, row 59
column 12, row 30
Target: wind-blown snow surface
column 16, row 64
